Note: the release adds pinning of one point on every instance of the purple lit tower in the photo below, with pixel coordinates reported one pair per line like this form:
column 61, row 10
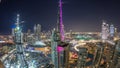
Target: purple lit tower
column 60, row 22
column 58, row 37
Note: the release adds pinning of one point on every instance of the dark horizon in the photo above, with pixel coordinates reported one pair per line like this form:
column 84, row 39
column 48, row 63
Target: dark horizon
column 78, row 15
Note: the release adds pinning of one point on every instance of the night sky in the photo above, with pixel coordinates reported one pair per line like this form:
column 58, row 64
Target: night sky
column 78, row 15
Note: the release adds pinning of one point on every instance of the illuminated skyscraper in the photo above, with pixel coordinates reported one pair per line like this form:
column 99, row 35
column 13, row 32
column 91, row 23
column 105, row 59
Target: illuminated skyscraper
column 54, row 44
column 37, row 31
column 60, row 21
column 19, row 44
column 105, row 31
column 58, row 48
column 112, row 30
column 13, row 33
column 82, row 57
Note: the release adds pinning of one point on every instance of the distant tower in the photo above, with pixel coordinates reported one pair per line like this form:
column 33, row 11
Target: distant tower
column 105, row 31
column 60, row 21
column 13, row 33
column 112, row 30
column 28, row 32
column 116, row 32
column 35, row 29
column 38, row 29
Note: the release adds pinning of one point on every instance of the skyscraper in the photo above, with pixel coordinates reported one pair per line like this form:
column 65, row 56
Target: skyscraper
column 112, row 30
column 19, row 44
column 60, row 26
column 37, row 31
column 105, row 31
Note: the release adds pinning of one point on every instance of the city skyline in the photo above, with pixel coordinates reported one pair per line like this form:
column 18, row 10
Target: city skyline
column 78, row 15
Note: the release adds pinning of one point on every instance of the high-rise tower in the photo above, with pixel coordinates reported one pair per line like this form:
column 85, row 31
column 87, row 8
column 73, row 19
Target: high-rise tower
column 111, row 32
column 57, row 37
column 19, row 44
column 105, row 31
column 60, row 49
column 60, row 26
column 37, row 31
column 54, row 45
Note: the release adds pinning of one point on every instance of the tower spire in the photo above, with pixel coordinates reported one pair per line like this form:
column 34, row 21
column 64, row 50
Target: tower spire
column 60, row 27
column 18, row 38
column 18, row 20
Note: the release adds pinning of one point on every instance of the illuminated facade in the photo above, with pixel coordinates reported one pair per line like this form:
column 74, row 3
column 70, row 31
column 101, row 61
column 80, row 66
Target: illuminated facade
column 54, row 43
column 37, row 31
column 58, row 51
column 19, row 44
column 60, row 21
column 105, row 31
column 112, row 30
column 82, row 57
